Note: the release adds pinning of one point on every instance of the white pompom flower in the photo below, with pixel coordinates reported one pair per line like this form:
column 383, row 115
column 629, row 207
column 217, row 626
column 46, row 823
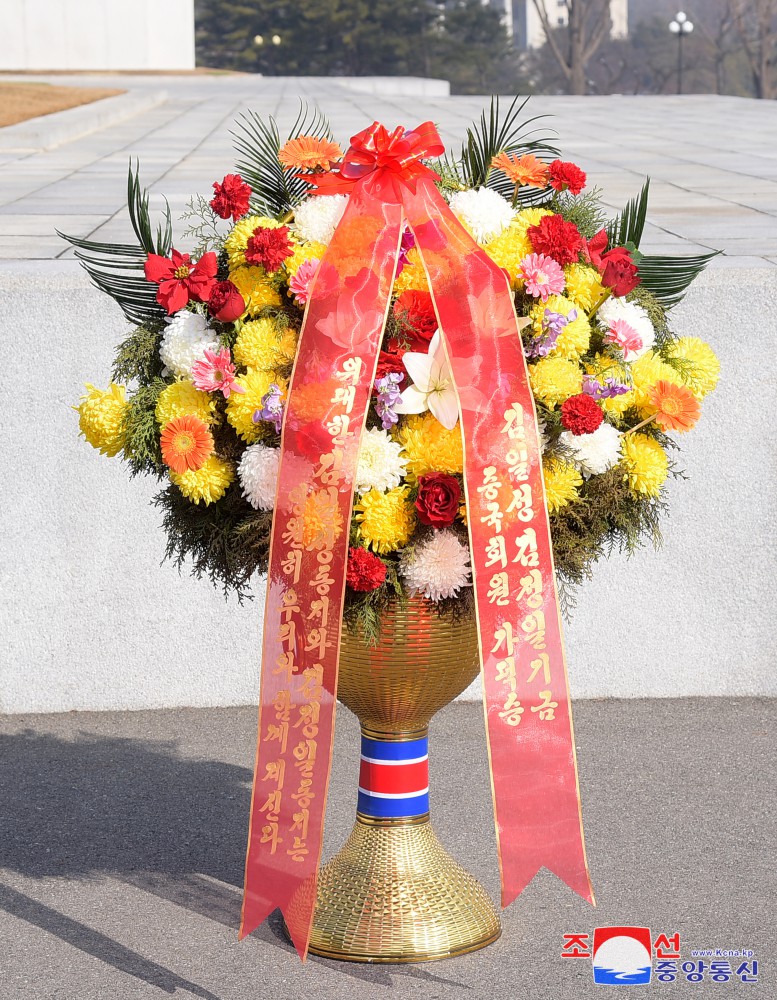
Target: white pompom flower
column 380, row 465
column 484, row 212
column 186, row 338
column 612, row 310
column 594, row 453
column 438, row 567
column 258, row 474
column 315, row 220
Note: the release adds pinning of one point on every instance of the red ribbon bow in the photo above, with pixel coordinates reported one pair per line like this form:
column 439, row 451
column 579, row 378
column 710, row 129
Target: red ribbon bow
column 395, row 156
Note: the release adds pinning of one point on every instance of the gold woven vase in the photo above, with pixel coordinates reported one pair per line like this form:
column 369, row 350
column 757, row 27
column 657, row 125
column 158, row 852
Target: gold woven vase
column 393, row 893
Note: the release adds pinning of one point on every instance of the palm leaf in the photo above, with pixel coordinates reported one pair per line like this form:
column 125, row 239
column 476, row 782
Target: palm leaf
column 668, row 278
column 506, row 132
column 630, row 224
column 117, row 268
column 275, row 190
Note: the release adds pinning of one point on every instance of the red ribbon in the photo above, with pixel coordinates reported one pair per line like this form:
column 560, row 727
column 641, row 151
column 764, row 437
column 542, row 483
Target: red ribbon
column 529, row 725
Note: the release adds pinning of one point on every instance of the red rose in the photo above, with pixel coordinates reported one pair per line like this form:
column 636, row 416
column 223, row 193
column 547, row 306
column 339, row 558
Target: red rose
column 438, row 500
column 226, row 303
column 595, row 247
column 565, row 176
column 231, row 197
column 580, row 414
column 415, row 310
column 179, row 279
column 556, row 238
column 620, row 272
column 269, row 247
column 364, row 571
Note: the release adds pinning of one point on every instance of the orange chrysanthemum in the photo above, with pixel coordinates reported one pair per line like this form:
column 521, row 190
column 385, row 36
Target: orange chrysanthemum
column 677, row 409
column 526, row 170
column 306, row 152
column 186, row 444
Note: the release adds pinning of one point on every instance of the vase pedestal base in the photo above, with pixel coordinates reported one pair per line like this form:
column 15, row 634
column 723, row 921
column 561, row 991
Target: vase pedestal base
column 394, row 894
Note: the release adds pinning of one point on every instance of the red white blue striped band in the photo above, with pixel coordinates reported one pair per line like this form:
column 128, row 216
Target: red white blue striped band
column 394, row 778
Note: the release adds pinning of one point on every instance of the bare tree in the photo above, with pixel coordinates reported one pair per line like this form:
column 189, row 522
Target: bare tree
column 588, row 24
column 756, row 22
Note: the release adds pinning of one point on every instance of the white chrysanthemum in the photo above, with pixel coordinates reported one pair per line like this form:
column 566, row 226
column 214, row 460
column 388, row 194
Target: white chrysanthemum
column 185, row 340
column 258, row 474
column 484, row 212
column 613, row 309
column 380, row 466
column 594, row 453
column 315, row 220
column 438, row 567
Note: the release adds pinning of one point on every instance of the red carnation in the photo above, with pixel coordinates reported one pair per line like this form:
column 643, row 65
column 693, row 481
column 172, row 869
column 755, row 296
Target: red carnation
column 231, row 197
column 415, row 310
column 269, row 247
column 564, row 175
column 390, row 363
column 620, row 272
column 438, row 500
column 364, row 571
column 226, row 304
column 580, row 414
column 179, row 280
column 556, row 238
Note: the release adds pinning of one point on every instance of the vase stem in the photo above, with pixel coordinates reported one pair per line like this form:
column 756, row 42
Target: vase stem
column 393, row 778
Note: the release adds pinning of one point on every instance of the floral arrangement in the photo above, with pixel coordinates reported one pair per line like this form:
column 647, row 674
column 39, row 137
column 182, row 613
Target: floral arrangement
column 200, row 384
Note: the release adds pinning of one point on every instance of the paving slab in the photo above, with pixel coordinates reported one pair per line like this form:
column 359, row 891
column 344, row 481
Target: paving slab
column 709, row 155
column 122, row 838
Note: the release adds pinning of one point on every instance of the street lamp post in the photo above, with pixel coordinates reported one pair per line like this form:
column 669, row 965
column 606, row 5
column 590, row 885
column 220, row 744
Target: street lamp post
column 260, row 40
column 680, row 26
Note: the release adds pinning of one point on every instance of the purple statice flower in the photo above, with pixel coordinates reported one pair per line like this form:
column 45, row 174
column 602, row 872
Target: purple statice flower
column 552, row 325
column 272, row 407
column 407, row 244
column 605, row 388
column 388, row 397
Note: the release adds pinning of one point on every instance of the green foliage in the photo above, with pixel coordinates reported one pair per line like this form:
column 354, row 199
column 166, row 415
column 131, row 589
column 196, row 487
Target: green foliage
column 656, row 313
column 137, row 358
column 668, row 278
column 202, row 233
column 226, row 541
column 141, row 431
column 584, row 210
column 275, row 190
column 117, row 269
column 629, row 225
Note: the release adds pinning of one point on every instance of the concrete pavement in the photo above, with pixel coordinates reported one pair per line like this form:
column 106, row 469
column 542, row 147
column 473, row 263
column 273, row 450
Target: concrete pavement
column 122, row 839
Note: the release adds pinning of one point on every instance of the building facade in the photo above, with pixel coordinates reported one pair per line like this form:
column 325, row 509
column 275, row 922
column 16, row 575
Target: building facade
column 524, row 25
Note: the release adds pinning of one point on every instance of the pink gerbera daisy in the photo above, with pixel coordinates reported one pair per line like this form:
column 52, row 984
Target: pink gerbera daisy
column 299, row 283
column 216, row 372
column 541, row 275
column 623, row 335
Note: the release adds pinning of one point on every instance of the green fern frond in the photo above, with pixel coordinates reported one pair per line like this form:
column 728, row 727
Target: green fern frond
column 274, row 190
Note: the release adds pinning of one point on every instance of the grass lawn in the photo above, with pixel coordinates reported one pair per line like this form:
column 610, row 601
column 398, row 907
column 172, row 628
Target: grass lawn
column 21, row 101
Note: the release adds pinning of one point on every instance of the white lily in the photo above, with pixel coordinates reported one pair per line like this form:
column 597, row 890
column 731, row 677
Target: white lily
column 433, row 387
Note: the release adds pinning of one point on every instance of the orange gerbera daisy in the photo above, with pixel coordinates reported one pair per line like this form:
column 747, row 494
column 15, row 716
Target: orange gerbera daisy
column 186, row 443
column 526, row 170
column 306, row 152
column 677, row 409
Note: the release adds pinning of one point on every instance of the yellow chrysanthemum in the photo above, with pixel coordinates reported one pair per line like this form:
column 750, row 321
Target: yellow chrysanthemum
column 241, row 406
column 555, row 379
column 386, row 520
column 208, row 483
column 645, row 464
column 645, row 372
column 430, row 447
column 576, row 335
column 303, row 252
column 562, row 482
column 528, row 217
column 583, row 285
column 604, row 367
column 256, row 290
column 508, row 249
column 260, row 344
column 699, row 368
column 181, row 399
column 101, row 418
column 235, row 244
column 412, row 278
